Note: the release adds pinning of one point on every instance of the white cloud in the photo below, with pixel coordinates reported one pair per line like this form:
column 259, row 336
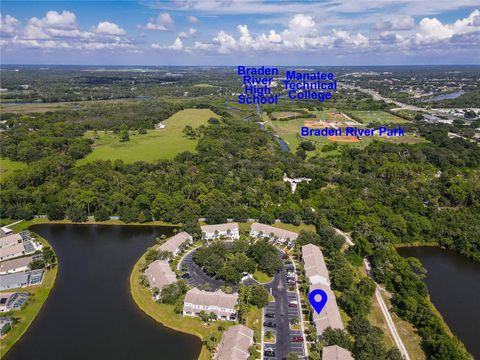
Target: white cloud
column 60, row 31
column 163, row 22
column 108, row 28
column 398, row 23
column 176, row 46
column 226, row 42
column 192, row 19
column 188, row 33
column 8, row 25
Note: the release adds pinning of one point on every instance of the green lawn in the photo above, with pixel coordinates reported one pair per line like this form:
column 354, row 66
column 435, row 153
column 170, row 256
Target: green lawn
column 155, row 145
column 25, row 316
column 261, row 277
column 165, row 314
column 7, row 167
column 378, row 117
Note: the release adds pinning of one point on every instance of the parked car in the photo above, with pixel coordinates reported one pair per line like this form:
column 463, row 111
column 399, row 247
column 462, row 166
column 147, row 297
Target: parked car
column 292, row 305
column 186, row 276
column 270, row 316
column 269, row 352
column 296, row 339
column 270, row 324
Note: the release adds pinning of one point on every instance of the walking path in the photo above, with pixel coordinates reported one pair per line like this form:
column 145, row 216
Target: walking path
column 391, row 325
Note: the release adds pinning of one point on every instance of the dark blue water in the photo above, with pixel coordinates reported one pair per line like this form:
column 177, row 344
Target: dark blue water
column 90, row 313
column 454, row 285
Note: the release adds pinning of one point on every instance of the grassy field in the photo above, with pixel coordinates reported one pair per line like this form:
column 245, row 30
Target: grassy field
column 155, row 145
column 378, row 117
column 261, row 277
column 25, row 316
column 165, row 314
column 7, row 167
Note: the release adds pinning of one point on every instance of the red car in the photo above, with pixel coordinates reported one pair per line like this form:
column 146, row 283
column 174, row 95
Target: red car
column 291, row 305
column 297, row 339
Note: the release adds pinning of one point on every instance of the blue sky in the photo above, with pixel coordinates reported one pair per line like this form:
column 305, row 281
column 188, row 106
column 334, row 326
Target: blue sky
column 229, row 32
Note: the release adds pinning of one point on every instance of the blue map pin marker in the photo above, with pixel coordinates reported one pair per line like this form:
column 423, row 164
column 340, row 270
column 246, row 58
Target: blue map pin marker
column 318, row 305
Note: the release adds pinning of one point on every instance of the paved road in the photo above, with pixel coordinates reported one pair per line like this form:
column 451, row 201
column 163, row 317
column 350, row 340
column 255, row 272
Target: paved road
column 386, row 314
column 197, row 276
column 283, row 317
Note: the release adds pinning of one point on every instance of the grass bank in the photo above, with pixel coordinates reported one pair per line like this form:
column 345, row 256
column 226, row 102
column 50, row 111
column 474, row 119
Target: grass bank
column 165, row 314
column 25, row 316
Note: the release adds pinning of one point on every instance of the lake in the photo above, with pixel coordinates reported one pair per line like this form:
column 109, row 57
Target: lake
column 90, row 313
column 454, row 285
column 449, row 96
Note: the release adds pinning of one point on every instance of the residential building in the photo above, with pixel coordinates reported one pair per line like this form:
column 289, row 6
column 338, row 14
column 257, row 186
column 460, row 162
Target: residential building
column 235, row 343
column 4, row 231
column 330, row 315
column 6, row 324
column 159, row 274
column 15, row 265
column 12, row 301
column 10, row 240
column 12, row 281
column 12, row 251
column 173, row 244
column 219, row 303
column 227, row 230
column 21, row 279
column 335, row 352
column 314, row 264
column 261, row 231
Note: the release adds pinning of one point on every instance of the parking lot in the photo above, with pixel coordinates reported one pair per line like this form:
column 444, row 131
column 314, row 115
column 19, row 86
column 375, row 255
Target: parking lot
column 284, row 310
column 197, row 276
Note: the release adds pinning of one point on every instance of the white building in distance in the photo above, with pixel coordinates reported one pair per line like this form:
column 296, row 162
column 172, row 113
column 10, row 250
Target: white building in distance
column 258, row 230
column 227, row 230
column 218, row 302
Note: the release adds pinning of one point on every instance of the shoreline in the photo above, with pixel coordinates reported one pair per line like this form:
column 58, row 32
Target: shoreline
column 142, row 299
column 29, row 313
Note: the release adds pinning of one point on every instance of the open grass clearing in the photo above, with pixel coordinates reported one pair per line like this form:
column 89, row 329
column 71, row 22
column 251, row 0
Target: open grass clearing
column 378, row 117
column 162, row 144
column 7, row 167
column 261, row 277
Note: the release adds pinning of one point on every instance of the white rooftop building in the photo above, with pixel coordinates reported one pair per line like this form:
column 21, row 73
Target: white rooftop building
column 261, row 231
column 160, row 274
column 335, row 352
column 173, row 244
column 227, row 230
column 314, row 264
column 218, row 302
column 235, row 343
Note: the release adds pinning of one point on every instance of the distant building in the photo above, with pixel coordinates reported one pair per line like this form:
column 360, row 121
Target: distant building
column 12, row 301
column 10, row 240
column 6, row 323
column 15, row 265
column 330, row 315
column 336, row 352
column 261, row 231
column 228, row 230
column 159, row 274
column 314, row 264
column 219, row 303
column 12, row 251
column 174, row 243
column 235, row 343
